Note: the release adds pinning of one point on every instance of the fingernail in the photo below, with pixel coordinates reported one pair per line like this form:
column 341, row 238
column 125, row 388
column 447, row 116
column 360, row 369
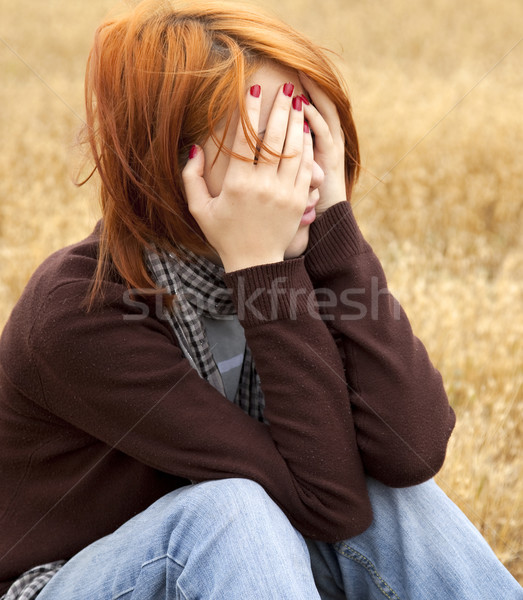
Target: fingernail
column 255, row 91
column 288, row 88
column 296, row 103
column 306, row 127
column 305, row 99
column 193, row 151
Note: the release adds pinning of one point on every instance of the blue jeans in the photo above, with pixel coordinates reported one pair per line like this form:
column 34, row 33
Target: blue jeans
column 228, row 540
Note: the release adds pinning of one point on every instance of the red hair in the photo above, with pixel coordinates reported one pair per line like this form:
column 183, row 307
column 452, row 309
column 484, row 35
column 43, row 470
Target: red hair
column 159, row 79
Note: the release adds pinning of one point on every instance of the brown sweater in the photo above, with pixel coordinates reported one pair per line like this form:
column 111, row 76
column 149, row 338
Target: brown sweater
column 100, row 415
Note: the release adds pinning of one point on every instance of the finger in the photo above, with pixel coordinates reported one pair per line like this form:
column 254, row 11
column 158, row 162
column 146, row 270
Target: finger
column 323, row 140
column 241, row 145
column 293, row 146
column 196, row 190
column 304, row 175
column 322, row 106
column 276, row 130
column 321, row 101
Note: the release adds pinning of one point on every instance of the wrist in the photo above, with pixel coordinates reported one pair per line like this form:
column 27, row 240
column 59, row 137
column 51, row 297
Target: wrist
column 334, row 239
column 272, row 292
column 331, row 193
column 237, row 263
column 323, row 207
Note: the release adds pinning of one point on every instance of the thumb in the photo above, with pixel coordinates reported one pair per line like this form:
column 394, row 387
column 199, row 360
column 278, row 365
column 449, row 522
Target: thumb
column 196, row 189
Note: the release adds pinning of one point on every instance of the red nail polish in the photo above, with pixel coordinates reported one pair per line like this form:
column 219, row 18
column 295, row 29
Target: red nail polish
column 306, row 127
column 305, row 101
column 193, row 151
column 255, row 91
column 288, row 88
column 296, row 103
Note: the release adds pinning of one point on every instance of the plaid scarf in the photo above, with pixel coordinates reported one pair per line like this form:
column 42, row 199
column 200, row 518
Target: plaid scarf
column 199, row 290
column 31, row 583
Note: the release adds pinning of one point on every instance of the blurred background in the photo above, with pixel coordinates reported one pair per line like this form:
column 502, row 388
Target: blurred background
column 437, row 90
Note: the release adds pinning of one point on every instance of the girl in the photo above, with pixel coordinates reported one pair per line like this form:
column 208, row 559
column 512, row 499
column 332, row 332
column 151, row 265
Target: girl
column 214, row 395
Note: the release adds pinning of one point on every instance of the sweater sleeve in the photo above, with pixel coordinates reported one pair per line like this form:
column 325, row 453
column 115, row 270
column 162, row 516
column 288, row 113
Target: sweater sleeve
column 118, row 375
column 401, row 413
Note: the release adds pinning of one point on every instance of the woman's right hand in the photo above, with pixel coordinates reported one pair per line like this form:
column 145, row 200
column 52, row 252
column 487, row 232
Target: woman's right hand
column 258, row 211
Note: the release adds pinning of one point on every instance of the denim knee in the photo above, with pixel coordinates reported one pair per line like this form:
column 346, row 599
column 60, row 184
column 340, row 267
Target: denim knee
column 233, row 498
column 233, row 504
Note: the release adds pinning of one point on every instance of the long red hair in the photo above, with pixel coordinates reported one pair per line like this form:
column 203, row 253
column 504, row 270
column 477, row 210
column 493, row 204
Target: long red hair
column 159, row 79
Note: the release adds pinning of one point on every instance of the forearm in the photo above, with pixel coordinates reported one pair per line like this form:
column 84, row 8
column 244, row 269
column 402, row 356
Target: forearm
column 402, row 416
column 306, row 398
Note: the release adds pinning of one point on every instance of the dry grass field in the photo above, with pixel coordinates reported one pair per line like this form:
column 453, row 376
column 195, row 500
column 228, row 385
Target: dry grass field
column 437, row 90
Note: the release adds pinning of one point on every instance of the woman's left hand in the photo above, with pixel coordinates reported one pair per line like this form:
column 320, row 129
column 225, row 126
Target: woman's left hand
column 329, row 144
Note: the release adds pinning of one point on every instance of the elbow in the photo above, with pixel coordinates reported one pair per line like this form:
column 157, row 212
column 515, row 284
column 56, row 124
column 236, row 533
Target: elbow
column 352, row 527
column 406, row 472
column 413, row 470
column 350, row 524
column 342, row 519
column 432, row 450
column 412, row 460
column 338, row 530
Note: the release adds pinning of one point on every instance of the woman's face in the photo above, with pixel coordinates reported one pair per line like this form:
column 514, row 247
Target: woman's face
column 270, row 78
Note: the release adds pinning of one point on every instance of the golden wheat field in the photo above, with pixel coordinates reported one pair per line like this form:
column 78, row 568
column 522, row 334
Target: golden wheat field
column 437, row 90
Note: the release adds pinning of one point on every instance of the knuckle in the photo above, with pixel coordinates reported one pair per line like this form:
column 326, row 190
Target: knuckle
column 269, row 159
column 242, row 143
column 293, row 149
column 307, row 161
column 187, row 176
column 266, row 188
column 271, row 140
column 239, row 185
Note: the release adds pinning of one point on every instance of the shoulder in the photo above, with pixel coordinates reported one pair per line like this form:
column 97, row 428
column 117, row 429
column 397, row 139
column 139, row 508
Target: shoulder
column 57, row 293
column 53, row 303
column 67, row 273
column 74, row 264
column 50, row 331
